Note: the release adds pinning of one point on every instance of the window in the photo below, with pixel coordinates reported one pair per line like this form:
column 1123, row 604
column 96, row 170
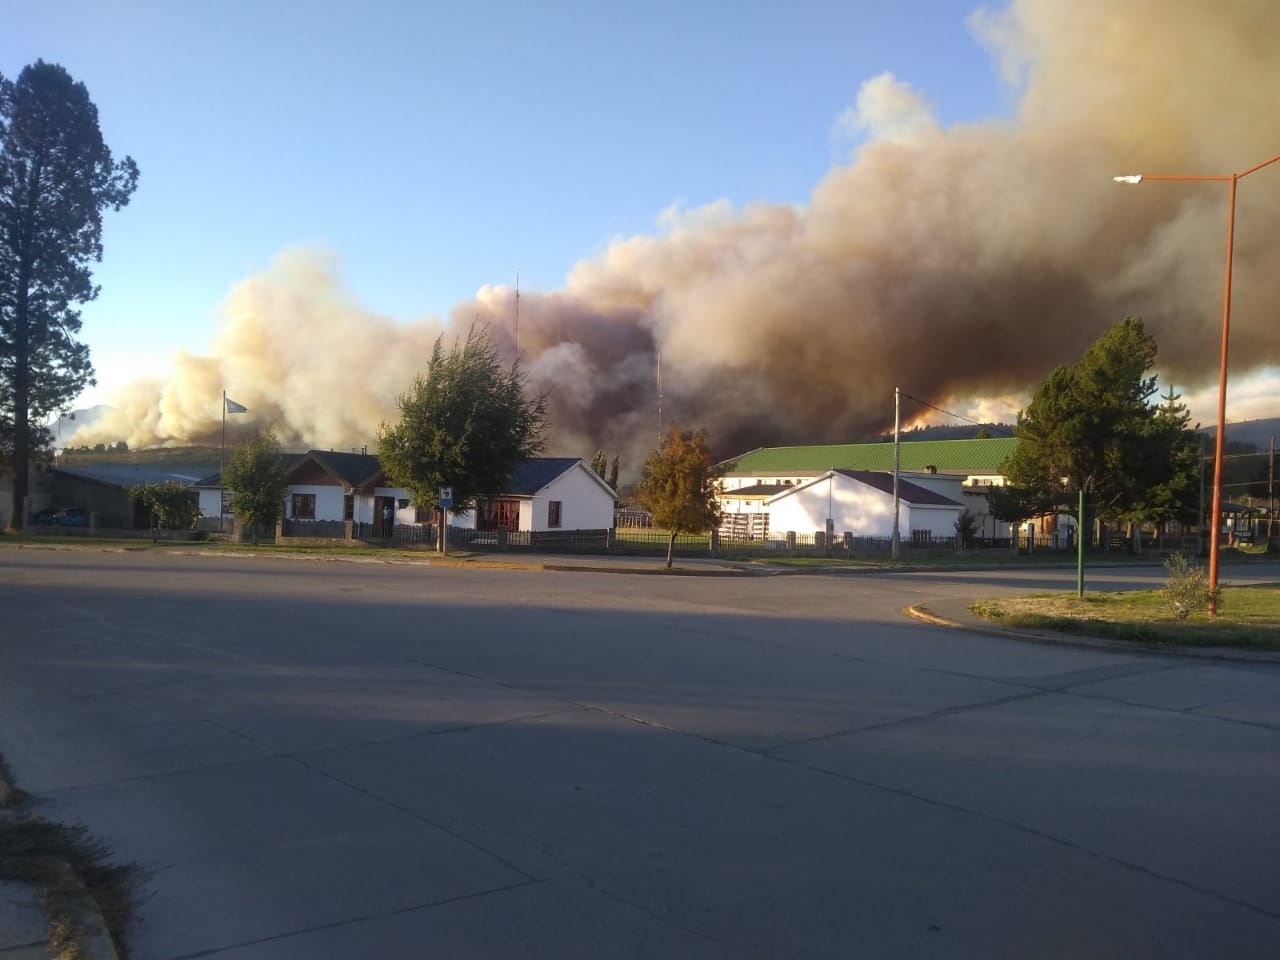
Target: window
column 349, row 507
column 553, row 513
column 498, row 515
column 304, row 506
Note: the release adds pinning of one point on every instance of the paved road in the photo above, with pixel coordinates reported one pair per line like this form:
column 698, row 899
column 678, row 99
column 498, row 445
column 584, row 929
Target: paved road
column 336, row 760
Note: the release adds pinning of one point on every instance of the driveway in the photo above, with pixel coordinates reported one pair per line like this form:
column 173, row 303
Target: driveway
column 321, row 759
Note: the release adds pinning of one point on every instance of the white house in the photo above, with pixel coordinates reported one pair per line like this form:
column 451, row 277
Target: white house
column 547, row 493
column 932, row 464
column 860, row 502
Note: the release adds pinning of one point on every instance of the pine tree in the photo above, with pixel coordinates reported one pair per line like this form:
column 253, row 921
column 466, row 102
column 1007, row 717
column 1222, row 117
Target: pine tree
column 56, row 177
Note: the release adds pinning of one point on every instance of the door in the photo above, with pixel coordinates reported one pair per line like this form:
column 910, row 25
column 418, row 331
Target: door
column 384, row 516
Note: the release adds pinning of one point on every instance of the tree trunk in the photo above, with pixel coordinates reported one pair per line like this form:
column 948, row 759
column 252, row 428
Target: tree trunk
column 21, row 404
column 671, row 548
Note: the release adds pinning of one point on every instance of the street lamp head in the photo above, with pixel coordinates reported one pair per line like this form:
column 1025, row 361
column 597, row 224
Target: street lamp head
column 1130, row 178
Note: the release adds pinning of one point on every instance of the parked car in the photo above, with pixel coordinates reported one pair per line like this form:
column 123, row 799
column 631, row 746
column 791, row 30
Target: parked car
column 71, row 517
column 66, row 517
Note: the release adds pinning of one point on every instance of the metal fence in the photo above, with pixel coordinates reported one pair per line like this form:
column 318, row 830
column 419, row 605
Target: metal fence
column 319, row 529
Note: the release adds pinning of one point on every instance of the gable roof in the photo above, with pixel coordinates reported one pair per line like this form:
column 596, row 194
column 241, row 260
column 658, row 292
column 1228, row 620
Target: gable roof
column 949, row 456
column 534, row 474
column 214, row 480
column 911, row 492
column 353, row 469
column 756, row 490
column 908, row 492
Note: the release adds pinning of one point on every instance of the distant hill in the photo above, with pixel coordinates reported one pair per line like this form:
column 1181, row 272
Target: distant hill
column 962, row 431
column 1256, row 432
column 66, row 425
column 161, row 456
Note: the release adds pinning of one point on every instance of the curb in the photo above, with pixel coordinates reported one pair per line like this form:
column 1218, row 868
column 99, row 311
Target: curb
column 91, row 939
column 985, row 627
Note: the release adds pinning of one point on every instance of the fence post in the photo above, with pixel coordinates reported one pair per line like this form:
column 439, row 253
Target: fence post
column 820, row 541
column 715, row 542
column 1013, row 537
column 791, row 541
column 279, row 528
column 502, row 538
column 348, row 530
column 848, row 544
column 1031, row 538
column 611, row 539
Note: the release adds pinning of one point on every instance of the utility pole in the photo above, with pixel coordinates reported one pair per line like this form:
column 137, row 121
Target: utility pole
column 1200, row 525
column 1271, row 492
column 659, row 398
column 895, row 549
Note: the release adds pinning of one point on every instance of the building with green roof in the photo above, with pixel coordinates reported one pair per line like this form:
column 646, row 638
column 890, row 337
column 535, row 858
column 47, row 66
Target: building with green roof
column 968, row 458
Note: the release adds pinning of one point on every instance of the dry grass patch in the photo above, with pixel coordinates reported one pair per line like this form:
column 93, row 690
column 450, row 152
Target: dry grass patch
column 1247, row 617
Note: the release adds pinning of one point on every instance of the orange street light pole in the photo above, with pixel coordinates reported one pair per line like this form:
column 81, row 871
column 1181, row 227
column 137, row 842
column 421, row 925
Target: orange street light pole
column 1233, row 179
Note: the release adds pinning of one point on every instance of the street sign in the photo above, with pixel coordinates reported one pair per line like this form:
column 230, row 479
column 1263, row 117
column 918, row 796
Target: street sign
column 446, row 498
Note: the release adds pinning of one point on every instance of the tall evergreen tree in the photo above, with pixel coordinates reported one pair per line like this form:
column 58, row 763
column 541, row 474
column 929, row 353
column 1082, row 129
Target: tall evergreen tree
column 1088, row 426
column 599, row 463
column 56, row 177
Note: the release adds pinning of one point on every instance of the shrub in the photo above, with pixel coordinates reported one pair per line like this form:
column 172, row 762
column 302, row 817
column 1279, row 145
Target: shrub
column 966, row 527
column 1186, row 588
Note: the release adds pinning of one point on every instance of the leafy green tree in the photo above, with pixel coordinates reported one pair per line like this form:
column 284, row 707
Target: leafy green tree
column 678, row 485
column 600, row 464
column 258, row 481
column 613, row 475
column 173, row 505
column 1088, row 426
column 982, row 434
column 56, row 178
column 468, row 424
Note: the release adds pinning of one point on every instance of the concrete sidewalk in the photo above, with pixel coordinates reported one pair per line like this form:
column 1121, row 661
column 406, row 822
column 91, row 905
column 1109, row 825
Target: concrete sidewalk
column 955, row 614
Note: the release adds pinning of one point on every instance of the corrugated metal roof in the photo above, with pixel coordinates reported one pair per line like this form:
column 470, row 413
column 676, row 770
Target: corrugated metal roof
column 949, row 456
column 135, row 474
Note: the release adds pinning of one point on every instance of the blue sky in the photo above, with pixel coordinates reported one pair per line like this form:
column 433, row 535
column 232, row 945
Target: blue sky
column 435, row 147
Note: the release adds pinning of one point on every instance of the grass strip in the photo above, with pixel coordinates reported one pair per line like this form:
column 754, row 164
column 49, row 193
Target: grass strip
column 1248, row 617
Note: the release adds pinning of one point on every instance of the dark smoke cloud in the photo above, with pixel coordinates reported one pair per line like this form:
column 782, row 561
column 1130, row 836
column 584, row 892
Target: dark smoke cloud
column 960, row 263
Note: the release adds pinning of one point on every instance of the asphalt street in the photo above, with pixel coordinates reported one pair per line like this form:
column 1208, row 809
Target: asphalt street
column 336, row 759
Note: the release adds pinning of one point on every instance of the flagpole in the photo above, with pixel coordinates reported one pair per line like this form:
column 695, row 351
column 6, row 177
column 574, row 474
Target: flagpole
column 222, row 451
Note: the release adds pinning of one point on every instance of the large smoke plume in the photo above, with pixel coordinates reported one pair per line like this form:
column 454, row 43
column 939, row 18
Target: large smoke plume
column 957, row 262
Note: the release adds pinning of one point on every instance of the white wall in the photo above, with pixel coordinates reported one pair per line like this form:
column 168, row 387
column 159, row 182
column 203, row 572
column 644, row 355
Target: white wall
column 945, row 485
column 328, row 500
column 855, row 508
column 208, row 501
column 584, row 503
column 938, row 520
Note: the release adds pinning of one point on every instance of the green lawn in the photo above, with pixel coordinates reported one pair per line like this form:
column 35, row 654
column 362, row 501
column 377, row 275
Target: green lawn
column 1247, row 617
